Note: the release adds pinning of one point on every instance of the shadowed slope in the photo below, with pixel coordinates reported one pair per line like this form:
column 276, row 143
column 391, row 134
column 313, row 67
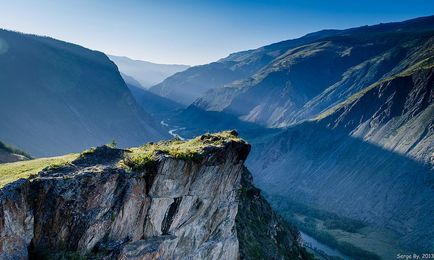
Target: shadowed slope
column 58, row 97
column 368, row 159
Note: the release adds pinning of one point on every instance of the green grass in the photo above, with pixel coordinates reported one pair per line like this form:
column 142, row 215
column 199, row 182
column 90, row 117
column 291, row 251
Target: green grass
column 10, row 172
column 139, row 158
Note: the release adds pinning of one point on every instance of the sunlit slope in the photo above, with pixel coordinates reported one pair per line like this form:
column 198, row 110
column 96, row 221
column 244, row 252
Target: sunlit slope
column 10, row 172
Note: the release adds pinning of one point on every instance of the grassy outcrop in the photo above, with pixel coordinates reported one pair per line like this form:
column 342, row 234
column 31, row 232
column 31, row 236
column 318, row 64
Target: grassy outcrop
column 135, row 159
column 195, row 149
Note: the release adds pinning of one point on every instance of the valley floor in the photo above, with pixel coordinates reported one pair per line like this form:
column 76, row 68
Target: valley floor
column 337, row 237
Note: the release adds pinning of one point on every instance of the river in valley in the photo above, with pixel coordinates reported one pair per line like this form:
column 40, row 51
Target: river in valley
column 172, row 132
column 315, row 245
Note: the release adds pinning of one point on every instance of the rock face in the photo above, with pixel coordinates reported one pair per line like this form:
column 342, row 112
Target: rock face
column 172, row 209
column 261, row 233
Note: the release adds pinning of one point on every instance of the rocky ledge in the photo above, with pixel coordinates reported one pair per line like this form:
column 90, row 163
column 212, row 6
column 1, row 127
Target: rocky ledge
column 169, row 200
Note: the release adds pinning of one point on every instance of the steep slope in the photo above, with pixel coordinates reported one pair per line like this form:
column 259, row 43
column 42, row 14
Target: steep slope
column 185, row 87
column 287, row 82
column 159, row 107
column 58, row 97
column 10, row 154
column 368, row 159
column 397, row 114
column 146, row 73
column 309, row 78
column 171, row 200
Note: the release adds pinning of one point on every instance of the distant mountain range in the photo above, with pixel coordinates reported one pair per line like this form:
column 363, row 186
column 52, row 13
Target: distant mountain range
column 185, row 87
column 143, row 73
column 58, row 97
column 275, row 85
column 342, row 130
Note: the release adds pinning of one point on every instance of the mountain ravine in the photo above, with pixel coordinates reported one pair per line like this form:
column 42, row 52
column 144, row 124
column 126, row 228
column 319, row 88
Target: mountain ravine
column 170, row 200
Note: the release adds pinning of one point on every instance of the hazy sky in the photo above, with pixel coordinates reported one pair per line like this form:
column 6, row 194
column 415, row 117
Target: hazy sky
column 194, row 32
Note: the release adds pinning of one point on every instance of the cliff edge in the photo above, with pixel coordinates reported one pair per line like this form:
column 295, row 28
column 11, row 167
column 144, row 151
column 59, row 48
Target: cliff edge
column 167, row 200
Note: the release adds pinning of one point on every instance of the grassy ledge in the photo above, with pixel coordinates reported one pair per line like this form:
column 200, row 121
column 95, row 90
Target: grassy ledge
column 140, row 158
column 135, row 159
column 10, row 172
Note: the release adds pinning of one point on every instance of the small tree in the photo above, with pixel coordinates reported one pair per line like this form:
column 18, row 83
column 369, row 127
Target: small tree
column 113, row 144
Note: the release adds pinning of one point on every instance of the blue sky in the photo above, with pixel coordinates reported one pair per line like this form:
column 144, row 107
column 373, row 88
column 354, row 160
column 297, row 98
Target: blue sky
column 194, row 31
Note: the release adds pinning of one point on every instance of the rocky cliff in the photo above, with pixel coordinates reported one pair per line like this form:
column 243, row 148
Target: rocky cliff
column 171, row 200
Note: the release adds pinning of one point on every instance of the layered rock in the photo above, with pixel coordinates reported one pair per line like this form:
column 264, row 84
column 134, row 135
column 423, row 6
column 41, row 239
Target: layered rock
column 168, row 207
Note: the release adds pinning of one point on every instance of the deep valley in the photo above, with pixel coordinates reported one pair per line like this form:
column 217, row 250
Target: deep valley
column 330, row 134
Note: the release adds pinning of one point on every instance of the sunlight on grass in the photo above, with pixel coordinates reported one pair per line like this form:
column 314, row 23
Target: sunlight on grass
column 10, row 172
column 141, row 157
column 137, row 158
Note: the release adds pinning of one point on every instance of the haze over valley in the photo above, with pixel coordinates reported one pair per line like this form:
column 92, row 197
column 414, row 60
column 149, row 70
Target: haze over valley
column 314, row 147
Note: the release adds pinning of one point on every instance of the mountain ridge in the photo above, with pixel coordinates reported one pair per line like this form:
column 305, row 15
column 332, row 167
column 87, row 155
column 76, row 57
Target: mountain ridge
column 273, row 86
column 288, row 93
column 59, row 97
